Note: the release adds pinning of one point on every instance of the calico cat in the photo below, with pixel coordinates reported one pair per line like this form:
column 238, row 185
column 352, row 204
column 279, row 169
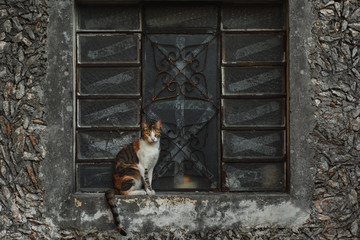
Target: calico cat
column 133, row 168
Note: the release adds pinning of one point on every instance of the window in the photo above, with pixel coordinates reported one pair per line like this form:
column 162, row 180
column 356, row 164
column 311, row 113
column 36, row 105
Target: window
column 216, row 75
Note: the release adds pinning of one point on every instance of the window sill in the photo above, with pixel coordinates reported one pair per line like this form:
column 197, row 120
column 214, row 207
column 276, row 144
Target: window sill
column 242, row 195
column 191, row 211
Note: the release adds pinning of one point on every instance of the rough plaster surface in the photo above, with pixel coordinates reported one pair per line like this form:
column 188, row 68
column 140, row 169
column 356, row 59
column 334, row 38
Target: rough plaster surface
column 192, row 214
column 36, row 75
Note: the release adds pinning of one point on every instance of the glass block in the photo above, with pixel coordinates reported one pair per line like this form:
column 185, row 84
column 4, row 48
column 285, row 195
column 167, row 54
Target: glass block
column 259, row 47
column 246, row 112
column 109, row 113
column 109, row 81
column 94, row 177
column 103, row 145
column 183, row 17
column 110, row 17
column 254, row 177
column 252, row 80
column 253, row 17
column 253, row 144
column 106, row 48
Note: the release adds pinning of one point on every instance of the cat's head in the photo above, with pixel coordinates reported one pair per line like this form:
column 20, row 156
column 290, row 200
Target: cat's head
column 152, row 133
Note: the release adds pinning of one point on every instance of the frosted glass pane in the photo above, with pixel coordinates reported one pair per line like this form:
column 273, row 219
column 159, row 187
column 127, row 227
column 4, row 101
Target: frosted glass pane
column 253, row 112
column 109, row 113
column 94, row 177
column 253, row 47
column 253, row 17
column 103, row 145
column 175, row 17
column 254, row 177
column 123, row 81
column 252, row 80
column 108, row 48
column 244, row 144
column 93, row 17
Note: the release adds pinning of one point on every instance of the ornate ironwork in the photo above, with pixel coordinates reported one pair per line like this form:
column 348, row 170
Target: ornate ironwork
column 180, row 84
column 180, row 71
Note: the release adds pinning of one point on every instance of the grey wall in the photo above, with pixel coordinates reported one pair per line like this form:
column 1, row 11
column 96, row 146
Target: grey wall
column 36, row 139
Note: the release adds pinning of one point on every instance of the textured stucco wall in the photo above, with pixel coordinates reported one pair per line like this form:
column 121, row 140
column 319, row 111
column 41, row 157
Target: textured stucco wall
column 36, row 150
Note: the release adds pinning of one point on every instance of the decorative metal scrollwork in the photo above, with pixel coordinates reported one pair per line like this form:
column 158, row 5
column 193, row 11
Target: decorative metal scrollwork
column 180, row 85
column 180, row 71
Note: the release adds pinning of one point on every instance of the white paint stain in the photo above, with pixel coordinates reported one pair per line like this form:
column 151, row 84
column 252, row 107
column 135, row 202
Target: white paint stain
column 117, row 79
column 254, row 81
column 236, row 117
column 256, row 48
column 114, row 49
column 91, row 218
column 238, row 144
column 104, row 113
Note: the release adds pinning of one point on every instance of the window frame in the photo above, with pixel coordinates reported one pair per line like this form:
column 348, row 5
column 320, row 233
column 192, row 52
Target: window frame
column 221, row 33
column 69, row 209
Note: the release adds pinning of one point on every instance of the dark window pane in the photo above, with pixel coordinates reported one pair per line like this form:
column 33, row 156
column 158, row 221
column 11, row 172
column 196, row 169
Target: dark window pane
column 246, row 144
column 252, row 80
column 93, row 17
column 108, row 48
column 109, row 113
column 245, row 112
column 248, row 17
column 188, row 159
column 103, row 145
column 94, row 177
column 175, row 17
column 180, row 88
column 109, row 81
column 254, row 177
column 253, row 47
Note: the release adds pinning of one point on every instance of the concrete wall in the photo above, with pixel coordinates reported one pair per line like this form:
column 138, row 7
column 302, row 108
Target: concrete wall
column 36, row 139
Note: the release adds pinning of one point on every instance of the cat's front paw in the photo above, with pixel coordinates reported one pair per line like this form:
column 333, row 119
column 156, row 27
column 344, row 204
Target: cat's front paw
column 150, row 192
column 137, row 192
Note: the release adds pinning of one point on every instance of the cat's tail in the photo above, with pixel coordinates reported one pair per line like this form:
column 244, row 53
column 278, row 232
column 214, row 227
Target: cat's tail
column 110, row 197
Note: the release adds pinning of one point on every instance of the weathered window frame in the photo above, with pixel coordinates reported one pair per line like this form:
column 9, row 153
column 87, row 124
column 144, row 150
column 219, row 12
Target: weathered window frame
column 67, row 209
column 221, row 30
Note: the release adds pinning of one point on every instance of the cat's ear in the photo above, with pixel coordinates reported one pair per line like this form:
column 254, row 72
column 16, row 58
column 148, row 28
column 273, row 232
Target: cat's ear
column 144, row 125
column 158, row 124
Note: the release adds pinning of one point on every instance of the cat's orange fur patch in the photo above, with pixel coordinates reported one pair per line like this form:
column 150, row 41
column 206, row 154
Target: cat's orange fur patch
column 126, row 165
column 136, row 146
column 119, row 180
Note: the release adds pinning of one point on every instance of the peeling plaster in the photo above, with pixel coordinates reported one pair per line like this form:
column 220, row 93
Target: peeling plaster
column 192, row 214
column 77, row 203
column 92, row 218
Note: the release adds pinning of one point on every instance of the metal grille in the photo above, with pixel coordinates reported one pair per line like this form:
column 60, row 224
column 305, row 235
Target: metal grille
column 181, row 90
column 216, row 75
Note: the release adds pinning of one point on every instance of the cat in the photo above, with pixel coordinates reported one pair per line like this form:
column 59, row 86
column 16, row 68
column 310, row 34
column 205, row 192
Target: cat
column 133, row 168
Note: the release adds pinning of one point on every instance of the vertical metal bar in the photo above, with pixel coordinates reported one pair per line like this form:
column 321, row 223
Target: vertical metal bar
column 142, row 57
column 142, row 46
column 287, row 172
column 219, row 91
column 74, row 95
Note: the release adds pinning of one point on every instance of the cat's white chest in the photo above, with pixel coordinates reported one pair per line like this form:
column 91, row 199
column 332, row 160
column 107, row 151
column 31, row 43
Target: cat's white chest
column 148, row 154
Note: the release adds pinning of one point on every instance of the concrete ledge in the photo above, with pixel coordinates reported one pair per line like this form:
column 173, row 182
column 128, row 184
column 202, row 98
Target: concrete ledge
column 188, row 212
